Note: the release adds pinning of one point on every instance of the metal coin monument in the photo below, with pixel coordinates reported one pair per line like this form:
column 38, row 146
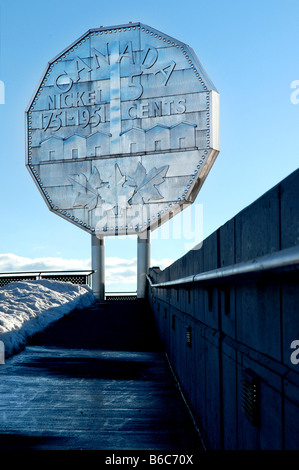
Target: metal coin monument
column 120, row 135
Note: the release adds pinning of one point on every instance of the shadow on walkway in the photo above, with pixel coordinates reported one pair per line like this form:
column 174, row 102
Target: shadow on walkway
column 95, row 380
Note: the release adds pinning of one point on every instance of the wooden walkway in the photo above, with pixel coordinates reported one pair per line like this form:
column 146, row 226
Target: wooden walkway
column 95, row 380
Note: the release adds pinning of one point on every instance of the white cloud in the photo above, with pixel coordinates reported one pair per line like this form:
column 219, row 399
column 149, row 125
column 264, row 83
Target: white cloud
column 120, row 273
column 10, row 262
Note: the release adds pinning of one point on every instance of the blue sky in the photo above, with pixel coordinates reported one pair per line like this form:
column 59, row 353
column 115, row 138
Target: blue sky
column 249, row 49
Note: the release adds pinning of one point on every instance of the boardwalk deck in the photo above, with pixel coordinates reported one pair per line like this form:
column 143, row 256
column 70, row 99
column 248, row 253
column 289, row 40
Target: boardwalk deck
column 95, row 380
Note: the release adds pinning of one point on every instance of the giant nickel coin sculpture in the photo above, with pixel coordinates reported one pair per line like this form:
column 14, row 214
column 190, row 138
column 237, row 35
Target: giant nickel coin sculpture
column 122, row 130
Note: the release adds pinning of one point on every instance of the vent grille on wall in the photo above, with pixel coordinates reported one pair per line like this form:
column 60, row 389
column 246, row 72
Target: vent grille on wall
column 251, row 396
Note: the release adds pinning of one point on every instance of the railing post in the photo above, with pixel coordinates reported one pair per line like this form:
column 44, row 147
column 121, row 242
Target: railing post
column 98, row 266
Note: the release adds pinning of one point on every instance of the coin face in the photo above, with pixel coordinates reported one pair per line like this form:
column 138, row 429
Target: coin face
column 122, row 130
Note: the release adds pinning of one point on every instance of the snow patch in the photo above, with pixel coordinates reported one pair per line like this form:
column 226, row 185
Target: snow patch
column 28, row 307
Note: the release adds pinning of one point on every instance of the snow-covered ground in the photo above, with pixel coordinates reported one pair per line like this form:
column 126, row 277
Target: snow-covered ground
column 27, row 307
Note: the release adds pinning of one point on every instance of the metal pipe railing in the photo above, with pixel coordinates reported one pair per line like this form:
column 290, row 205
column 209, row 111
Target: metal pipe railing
column 284, row 259
column 121, row 293
column 39, row 273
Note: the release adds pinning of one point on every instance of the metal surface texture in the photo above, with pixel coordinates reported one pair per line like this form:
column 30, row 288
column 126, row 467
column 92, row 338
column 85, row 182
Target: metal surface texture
column 122, row 130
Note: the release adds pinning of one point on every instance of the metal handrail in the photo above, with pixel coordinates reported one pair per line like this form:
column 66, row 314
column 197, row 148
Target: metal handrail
column 282, row 259
column 69, row 275
column 122, row 293
column 37, row 272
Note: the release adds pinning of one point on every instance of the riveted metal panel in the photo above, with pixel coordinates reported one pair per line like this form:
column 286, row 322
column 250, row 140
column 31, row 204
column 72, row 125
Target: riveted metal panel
column 122, row 129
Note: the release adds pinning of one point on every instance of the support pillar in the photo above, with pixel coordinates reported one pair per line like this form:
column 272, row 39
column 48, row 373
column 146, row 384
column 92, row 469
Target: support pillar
column 98, row 266
column 143, row 261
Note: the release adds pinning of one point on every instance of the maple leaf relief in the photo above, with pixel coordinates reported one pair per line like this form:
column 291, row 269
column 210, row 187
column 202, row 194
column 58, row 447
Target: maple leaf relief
column 121, row 191
column 88, row 189
column 145, row 184
column 116, row 193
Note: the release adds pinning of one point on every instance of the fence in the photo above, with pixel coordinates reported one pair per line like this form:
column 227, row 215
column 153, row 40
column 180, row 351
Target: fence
column 75, row 277
column 121, row 296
